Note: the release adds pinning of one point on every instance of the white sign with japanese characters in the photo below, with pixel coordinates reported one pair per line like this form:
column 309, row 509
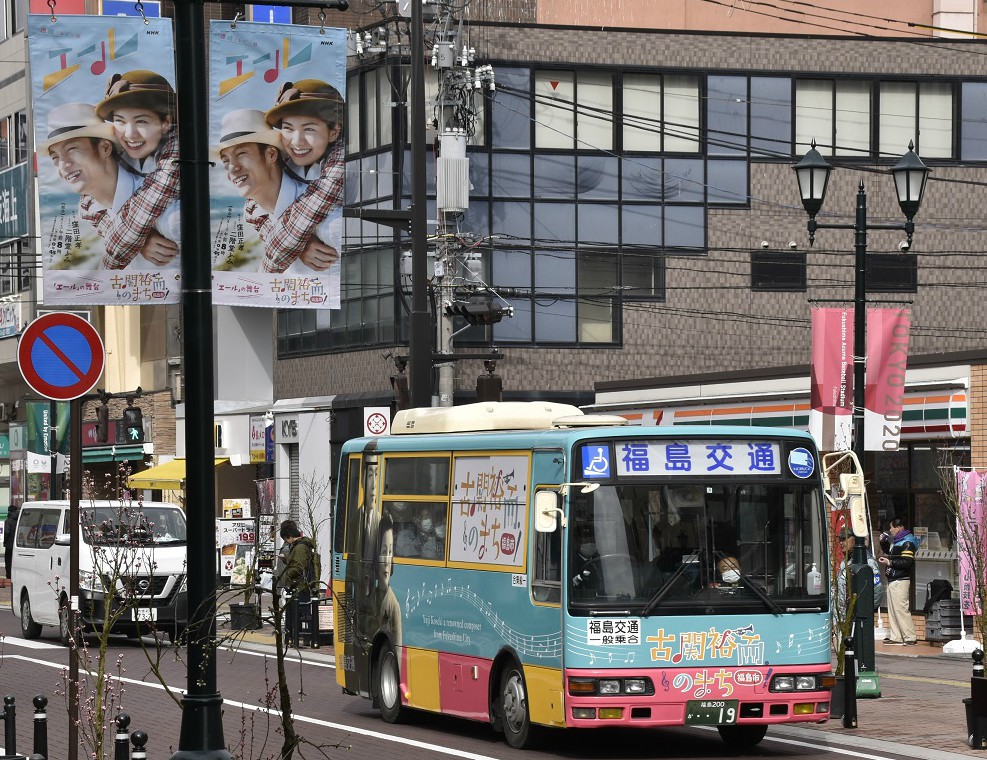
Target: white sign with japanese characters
column 665, row 458
column 489, row 510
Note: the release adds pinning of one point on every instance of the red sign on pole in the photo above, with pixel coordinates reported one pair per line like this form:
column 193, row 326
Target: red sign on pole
column 61, row 356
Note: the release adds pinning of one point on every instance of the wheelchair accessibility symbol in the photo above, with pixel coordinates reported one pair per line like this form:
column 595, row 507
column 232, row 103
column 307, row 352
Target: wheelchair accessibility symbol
column 596, row 462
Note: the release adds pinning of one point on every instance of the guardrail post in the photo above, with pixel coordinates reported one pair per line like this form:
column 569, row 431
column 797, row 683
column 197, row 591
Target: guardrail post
column 849, row 685
column 121, row 743
column 139, row 739
column 976, row 705
column 9, row 729
column 41, row 725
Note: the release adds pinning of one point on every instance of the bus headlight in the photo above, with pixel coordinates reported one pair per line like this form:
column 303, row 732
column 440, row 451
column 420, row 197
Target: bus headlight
column 635, row 686
column 609, row 687
column 796, row 682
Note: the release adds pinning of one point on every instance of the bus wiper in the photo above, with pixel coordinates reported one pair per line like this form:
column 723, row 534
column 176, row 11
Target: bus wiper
column 665, row 590
column 761, row 594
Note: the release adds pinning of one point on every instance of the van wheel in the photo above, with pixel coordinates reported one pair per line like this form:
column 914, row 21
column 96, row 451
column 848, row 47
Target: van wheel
column 65, row 632
column 389, row 686
column 513, row 710
column 29, row 629
column 742, row 737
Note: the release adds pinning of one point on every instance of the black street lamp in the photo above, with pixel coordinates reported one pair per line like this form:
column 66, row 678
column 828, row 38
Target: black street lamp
column 910, row 176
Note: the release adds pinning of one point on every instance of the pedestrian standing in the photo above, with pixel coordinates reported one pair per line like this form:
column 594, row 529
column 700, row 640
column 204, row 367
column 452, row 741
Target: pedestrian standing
column 899, row 545
column 299, row 571
column 9, row 527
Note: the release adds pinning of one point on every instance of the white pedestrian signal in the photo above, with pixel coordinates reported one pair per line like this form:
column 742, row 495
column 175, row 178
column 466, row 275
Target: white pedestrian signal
column 133, row 425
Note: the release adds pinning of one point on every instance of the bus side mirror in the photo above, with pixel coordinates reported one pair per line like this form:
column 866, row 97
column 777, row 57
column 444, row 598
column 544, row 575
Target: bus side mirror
column 547, row 512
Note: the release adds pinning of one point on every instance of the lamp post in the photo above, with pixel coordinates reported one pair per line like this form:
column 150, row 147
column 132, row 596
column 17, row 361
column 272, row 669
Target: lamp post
column 910, row 176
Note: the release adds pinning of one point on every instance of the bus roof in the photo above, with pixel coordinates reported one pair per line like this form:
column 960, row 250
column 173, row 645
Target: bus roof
column 496, row 415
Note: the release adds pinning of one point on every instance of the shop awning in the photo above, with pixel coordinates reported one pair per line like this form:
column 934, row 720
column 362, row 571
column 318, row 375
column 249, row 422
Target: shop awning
column 169, row 476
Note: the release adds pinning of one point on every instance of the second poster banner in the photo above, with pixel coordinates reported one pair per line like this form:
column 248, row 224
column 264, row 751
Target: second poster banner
column 277, row 109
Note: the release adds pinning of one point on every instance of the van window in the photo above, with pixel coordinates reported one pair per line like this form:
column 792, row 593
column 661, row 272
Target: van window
column 133, row 524
column 37, row 527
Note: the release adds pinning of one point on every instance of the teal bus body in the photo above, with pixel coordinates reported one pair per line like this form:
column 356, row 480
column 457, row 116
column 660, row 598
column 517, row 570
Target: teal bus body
column 449, row 600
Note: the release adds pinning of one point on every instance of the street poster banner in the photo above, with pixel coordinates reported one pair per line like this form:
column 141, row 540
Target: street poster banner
column 107, row 150
column 277, row 106
column 236, row 539
column 831, row 370
column 971, row 535
column 884, row 390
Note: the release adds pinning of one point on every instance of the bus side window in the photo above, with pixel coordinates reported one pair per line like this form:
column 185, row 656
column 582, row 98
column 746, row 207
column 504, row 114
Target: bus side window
column 345, row 533
column 546, row 578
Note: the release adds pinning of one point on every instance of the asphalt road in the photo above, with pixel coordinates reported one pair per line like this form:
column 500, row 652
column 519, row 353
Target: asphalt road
column 919, row 716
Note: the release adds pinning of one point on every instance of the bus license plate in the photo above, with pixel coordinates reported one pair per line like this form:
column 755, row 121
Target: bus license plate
column 711, row 712
column 145, row 614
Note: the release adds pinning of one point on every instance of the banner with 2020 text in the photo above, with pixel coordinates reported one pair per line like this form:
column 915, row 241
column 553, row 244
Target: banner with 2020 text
column 884, row 390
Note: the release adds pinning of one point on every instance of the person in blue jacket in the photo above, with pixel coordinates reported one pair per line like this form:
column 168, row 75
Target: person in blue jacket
column 899, row 545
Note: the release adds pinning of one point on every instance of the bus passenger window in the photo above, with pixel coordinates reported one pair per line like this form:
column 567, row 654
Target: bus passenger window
column 419, row 530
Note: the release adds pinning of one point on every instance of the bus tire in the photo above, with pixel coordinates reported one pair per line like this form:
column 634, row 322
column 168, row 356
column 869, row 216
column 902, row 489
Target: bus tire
column 388, row 685
column 512, row 708
column 742, row 737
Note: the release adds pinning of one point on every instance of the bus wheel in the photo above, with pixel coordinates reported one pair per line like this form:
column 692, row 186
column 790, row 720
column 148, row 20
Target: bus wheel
column 515, row 720
column 389, row 686
column 742, row 737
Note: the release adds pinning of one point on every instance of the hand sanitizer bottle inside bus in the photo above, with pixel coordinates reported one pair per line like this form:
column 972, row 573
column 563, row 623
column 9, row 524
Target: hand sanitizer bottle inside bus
column 814, row 581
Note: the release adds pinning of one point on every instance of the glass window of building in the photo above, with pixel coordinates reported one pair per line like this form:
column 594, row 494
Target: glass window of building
column 973, row 129
column 5, row 142
column 574, row 112
column 918, row 113
column 510, row 111
column 594, row 121
column 835, row 114
column 771, row 116
column 726, row 115
column 353, row 114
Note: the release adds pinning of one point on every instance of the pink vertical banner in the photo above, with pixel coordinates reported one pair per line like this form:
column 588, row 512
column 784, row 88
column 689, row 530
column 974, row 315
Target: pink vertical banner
column 971, row 543
column 831, row 416
column 884, row 391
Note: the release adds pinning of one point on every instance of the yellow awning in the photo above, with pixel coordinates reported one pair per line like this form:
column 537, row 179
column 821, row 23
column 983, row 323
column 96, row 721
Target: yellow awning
column 169, row 476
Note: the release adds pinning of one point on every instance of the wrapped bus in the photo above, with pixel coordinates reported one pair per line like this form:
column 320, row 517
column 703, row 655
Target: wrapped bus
column 527, row 565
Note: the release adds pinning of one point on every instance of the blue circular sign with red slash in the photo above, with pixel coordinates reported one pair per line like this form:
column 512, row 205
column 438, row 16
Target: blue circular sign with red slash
column 61, row 356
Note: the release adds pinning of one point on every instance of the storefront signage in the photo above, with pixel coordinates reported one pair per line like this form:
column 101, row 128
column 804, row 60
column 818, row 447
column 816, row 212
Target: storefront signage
column 286, row 430
column 13, row 215
column 10, row 319
column 258, row 438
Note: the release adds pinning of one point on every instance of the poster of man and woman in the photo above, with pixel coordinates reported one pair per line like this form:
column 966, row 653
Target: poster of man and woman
column 106, row 132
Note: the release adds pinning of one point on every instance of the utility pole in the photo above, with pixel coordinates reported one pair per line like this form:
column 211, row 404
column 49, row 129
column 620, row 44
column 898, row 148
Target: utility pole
column 454, row 121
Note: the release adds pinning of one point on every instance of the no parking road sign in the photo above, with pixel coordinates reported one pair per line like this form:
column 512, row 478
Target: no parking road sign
column 61, row 356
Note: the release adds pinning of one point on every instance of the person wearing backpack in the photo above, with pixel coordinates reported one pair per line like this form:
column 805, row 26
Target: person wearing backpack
column 899, row 545
column 300, row 573
column 847, row 541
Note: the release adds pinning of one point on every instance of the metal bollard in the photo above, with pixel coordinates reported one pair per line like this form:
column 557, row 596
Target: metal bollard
column 849, row 685
column 139, row 738
column 41, row 725
column 9, row 729
column 976, row 705
column 313, row 625
column 121, row 742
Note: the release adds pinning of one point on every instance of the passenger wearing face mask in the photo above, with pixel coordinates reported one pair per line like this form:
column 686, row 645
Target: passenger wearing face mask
column 429, row 545
column 728, row 570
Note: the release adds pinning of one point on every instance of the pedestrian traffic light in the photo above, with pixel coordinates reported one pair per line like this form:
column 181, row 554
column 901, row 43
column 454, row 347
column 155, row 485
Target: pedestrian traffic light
column 479, row 309
column 133, row 425
column 103, row 423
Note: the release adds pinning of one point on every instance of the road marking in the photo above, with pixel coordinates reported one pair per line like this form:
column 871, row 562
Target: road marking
column 287, row 658
column 27, row 643
column 472, row 755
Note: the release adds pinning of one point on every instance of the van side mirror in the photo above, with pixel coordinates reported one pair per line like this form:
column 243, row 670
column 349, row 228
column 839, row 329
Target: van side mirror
column 63, row 539
column 547, row 512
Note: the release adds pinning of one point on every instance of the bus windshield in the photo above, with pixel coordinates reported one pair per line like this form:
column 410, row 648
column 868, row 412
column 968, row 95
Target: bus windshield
column 698, row 548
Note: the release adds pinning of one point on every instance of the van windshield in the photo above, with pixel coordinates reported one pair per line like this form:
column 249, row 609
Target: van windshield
column 133, row 524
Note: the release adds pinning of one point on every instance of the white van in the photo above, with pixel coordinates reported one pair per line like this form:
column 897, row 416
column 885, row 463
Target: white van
column 138, row 548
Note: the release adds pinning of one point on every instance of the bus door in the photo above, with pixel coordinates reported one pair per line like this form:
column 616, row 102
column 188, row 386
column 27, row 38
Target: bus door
column 361, row 535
